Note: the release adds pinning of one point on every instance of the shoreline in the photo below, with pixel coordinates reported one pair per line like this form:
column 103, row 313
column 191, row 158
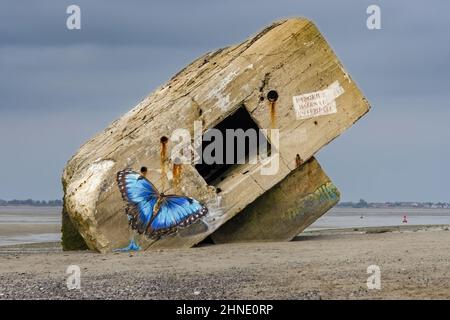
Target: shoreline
column 307, row 232
column 21, row 224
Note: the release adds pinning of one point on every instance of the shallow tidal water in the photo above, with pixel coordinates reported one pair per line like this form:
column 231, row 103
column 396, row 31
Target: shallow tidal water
column 20, row 225
column 338, row 218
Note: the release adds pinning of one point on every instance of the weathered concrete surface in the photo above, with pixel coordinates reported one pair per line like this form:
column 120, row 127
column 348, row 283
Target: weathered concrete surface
column 290, row 56
column 280, row 214
column 71, row 238
column 285, row 210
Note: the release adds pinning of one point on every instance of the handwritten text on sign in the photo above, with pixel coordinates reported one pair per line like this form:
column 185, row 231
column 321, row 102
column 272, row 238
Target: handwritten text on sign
column 317, row 103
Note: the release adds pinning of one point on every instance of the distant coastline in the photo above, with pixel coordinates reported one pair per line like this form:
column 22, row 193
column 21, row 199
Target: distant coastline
column 382, row 205
column 360, row 204
column 32, row 203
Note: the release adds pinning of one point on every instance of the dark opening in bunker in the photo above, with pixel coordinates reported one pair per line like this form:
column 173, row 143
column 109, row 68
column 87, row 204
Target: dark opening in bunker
column 238, row 147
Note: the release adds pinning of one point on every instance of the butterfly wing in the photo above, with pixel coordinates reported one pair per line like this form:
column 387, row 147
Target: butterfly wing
column 141, row 197
column 175, row 211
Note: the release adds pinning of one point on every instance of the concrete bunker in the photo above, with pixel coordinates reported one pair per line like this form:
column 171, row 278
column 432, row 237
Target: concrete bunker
column 315, row 100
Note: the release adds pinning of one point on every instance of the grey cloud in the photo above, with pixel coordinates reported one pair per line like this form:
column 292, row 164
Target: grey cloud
column 59, row 87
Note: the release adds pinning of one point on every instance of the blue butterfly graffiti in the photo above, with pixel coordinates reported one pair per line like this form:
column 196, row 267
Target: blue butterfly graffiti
column 152, row 213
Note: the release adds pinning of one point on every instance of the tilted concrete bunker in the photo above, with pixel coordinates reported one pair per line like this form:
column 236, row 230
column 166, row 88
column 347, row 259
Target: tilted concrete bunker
column 285, row 78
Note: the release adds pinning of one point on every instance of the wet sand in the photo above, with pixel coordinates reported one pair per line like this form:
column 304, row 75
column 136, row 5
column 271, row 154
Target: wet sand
column 332, row 264
column 22, row 224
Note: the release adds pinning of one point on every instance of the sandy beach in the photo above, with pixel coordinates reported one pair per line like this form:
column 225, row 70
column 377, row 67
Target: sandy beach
column 327, row 264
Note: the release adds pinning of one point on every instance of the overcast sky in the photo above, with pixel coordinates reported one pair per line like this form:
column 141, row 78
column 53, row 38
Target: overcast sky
column 60, row 87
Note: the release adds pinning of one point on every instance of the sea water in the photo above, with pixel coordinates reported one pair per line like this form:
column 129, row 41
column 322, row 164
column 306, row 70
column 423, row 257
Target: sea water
column 14, row 219
column 338, row 218
column 17, row 224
